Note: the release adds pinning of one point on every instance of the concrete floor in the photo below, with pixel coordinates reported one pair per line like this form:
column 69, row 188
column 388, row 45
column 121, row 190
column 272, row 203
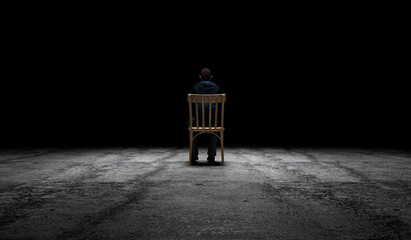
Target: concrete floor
column 152, row 193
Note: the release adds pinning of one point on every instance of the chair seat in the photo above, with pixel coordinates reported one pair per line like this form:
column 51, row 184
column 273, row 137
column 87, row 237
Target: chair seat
column 208, row 129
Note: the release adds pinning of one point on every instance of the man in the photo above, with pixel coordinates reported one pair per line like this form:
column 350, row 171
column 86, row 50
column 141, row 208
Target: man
column 206, row 86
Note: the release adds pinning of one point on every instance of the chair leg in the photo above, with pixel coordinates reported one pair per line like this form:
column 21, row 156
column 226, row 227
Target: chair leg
column 191, row 148
column 222, row 147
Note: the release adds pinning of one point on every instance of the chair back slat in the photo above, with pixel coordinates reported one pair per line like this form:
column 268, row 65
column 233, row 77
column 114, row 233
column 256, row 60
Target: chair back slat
column 216, row 113
column 197, row 119
column 209, row 112
column 202, row 106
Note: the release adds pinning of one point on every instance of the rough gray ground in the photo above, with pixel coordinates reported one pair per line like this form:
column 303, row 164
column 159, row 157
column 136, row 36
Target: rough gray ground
column 152, row 193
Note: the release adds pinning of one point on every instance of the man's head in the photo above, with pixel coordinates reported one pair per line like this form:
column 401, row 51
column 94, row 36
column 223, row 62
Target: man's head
column 205, row 74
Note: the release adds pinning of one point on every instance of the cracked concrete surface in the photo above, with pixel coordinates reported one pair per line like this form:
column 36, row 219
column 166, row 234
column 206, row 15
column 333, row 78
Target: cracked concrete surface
column 152, row 193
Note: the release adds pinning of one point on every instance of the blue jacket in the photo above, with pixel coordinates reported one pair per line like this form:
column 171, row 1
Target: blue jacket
column 205, row 87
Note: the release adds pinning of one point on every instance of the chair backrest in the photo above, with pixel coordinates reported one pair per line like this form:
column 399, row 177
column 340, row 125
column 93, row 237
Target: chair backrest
column 206, row 117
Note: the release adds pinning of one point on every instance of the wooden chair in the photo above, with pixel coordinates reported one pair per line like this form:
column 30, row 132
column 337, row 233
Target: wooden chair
column 202, row 125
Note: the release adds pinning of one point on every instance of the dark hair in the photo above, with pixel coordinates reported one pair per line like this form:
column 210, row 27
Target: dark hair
column 205, row 74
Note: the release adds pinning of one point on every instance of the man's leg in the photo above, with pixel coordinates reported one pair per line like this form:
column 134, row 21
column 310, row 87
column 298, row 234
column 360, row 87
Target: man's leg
column 195, row 149
column 212, row 147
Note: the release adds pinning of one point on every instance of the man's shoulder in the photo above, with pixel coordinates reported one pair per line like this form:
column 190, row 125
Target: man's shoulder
column 205, row 87
column 210, row 83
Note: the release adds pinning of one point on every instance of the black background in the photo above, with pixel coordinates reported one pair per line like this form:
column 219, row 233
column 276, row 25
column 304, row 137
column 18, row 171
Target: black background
column 112, row 77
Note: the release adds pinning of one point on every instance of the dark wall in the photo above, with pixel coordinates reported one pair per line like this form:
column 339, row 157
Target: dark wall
column 316, row 82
